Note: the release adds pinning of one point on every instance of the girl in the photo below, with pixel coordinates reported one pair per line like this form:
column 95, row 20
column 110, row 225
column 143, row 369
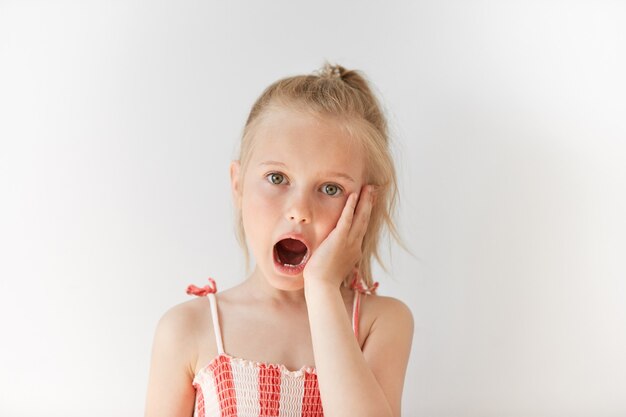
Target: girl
column 304, row 334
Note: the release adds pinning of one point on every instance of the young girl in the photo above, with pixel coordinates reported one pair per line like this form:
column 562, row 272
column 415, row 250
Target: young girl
column 304, row 334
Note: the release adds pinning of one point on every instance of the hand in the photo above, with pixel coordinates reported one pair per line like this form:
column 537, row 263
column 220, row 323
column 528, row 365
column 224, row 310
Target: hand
column 340, row 252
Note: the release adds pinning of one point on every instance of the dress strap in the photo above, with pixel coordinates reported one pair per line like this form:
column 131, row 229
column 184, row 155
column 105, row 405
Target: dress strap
column 355, row 313
column 359, row 288
column 216, row 323
column 209, row 291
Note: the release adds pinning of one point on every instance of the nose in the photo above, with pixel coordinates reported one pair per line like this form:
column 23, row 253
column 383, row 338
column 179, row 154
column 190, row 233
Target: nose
column 299, row 209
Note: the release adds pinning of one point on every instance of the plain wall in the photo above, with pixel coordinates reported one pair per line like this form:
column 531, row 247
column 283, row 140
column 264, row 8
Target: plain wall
column 118, row 120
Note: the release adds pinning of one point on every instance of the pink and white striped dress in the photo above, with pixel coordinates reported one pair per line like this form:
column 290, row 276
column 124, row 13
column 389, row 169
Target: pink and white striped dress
column 236, row 387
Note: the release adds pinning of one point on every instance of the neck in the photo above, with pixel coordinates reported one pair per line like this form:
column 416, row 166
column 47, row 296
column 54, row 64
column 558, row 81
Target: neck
column 260, row 287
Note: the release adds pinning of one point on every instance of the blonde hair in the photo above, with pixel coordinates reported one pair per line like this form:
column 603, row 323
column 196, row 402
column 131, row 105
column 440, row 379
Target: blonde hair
column 345, row 95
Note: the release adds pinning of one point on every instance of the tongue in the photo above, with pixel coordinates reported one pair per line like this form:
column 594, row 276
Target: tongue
column 292, row 245
column 291, row 251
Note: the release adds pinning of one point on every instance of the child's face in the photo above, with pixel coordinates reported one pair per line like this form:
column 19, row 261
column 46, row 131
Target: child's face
column 297, row 181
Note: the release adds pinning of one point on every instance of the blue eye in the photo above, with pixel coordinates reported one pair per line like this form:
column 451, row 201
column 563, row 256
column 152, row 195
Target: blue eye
column 331, row 189
column 276, row 178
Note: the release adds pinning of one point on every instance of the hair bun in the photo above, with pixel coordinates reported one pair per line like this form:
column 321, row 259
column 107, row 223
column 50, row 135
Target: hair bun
column 332, row 71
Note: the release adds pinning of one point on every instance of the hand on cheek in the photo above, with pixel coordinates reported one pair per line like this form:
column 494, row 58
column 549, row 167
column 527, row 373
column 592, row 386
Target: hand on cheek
column 340, row 252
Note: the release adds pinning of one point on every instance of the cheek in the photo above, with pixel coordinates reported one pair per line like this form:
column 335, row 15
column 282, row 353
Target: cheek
column 259, row 205
column 262, row 198
column 254, row 194
column 329, row 213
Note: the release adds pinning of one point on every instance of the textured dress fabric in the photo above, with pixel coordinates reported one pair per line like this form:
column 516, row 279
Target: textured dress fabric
column 234, row 387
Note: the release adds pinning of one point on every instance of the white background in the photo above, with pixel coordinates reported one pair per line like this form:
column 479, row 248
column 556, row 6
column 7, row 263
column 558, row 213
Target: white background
column 118, row 120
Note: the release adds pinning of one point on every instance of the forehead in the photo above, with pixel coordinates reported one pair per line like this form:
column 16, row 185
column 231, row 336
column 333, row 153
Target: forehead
column 301, row 139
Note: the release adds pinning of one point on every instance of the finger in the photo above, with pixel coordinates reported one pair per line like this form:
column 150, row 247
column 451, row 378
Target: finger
column 347, row 214
column 362, row 213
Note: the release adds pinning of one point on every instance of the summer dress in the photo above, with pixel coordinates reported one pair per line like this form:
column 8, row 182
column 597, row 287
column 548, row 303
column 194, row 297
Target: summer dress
column 236, row 387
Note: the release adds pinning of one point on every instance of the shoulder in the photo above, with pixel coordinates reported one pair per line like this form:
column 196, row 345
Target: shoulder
column 184, row 318
column 383, row 308
column 387, row 344
column 387, row 316
column 174, row 353
column 179, row 330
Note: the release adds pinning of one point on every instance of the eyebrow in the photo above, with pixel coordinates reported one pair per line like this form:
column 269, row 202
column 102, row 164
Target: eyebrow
column 330, row 174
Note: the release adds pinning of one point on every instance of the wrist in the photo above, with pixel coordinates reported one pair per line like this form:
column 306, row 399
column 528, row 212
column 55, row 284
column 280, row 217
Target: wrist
column 312, row 287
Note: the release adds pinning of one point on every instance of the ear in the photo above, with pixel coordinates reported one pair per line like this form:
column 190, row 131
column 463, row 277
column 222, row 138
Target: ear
column 235, row 184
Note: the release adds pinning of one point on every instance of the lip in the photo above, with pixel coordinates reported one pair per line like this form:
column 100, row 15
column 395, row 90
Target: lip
column 291, row 270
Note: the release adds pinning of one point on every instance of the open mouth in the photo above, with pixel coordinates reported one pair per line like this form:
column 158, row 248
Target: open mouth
column 291, row 253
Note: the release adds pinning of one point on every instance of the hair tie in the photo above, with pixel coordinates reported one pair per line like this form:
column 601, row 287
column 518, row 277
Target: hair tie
column 330, row 71
column 201, row 292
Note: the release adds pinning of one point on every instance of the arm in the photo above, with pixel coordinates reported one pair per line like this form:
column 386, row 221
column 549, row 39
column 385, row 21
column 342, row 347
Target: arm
column 170, row 390
column 354, row 382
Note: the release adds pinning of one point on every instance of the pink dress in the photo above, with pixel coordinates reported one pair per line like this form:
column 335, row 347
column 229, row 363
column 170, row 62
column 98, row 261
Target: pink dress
column 236, row 387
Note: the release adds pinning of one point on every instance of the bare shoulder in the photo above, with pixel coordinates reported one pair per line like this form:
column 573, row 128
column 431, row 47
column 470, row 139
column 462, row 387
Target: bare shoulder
column 388, row 318
column 174, row 353
column 180, row 328
column 184, row 318
column 388, row 328
column 378, row 307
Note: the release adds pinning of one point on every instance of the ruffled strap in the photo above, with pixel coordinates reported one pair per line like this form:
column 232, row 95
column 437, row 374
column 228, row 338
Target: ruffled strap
column 209, row 291
column 201, row 292
column 359, row 285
